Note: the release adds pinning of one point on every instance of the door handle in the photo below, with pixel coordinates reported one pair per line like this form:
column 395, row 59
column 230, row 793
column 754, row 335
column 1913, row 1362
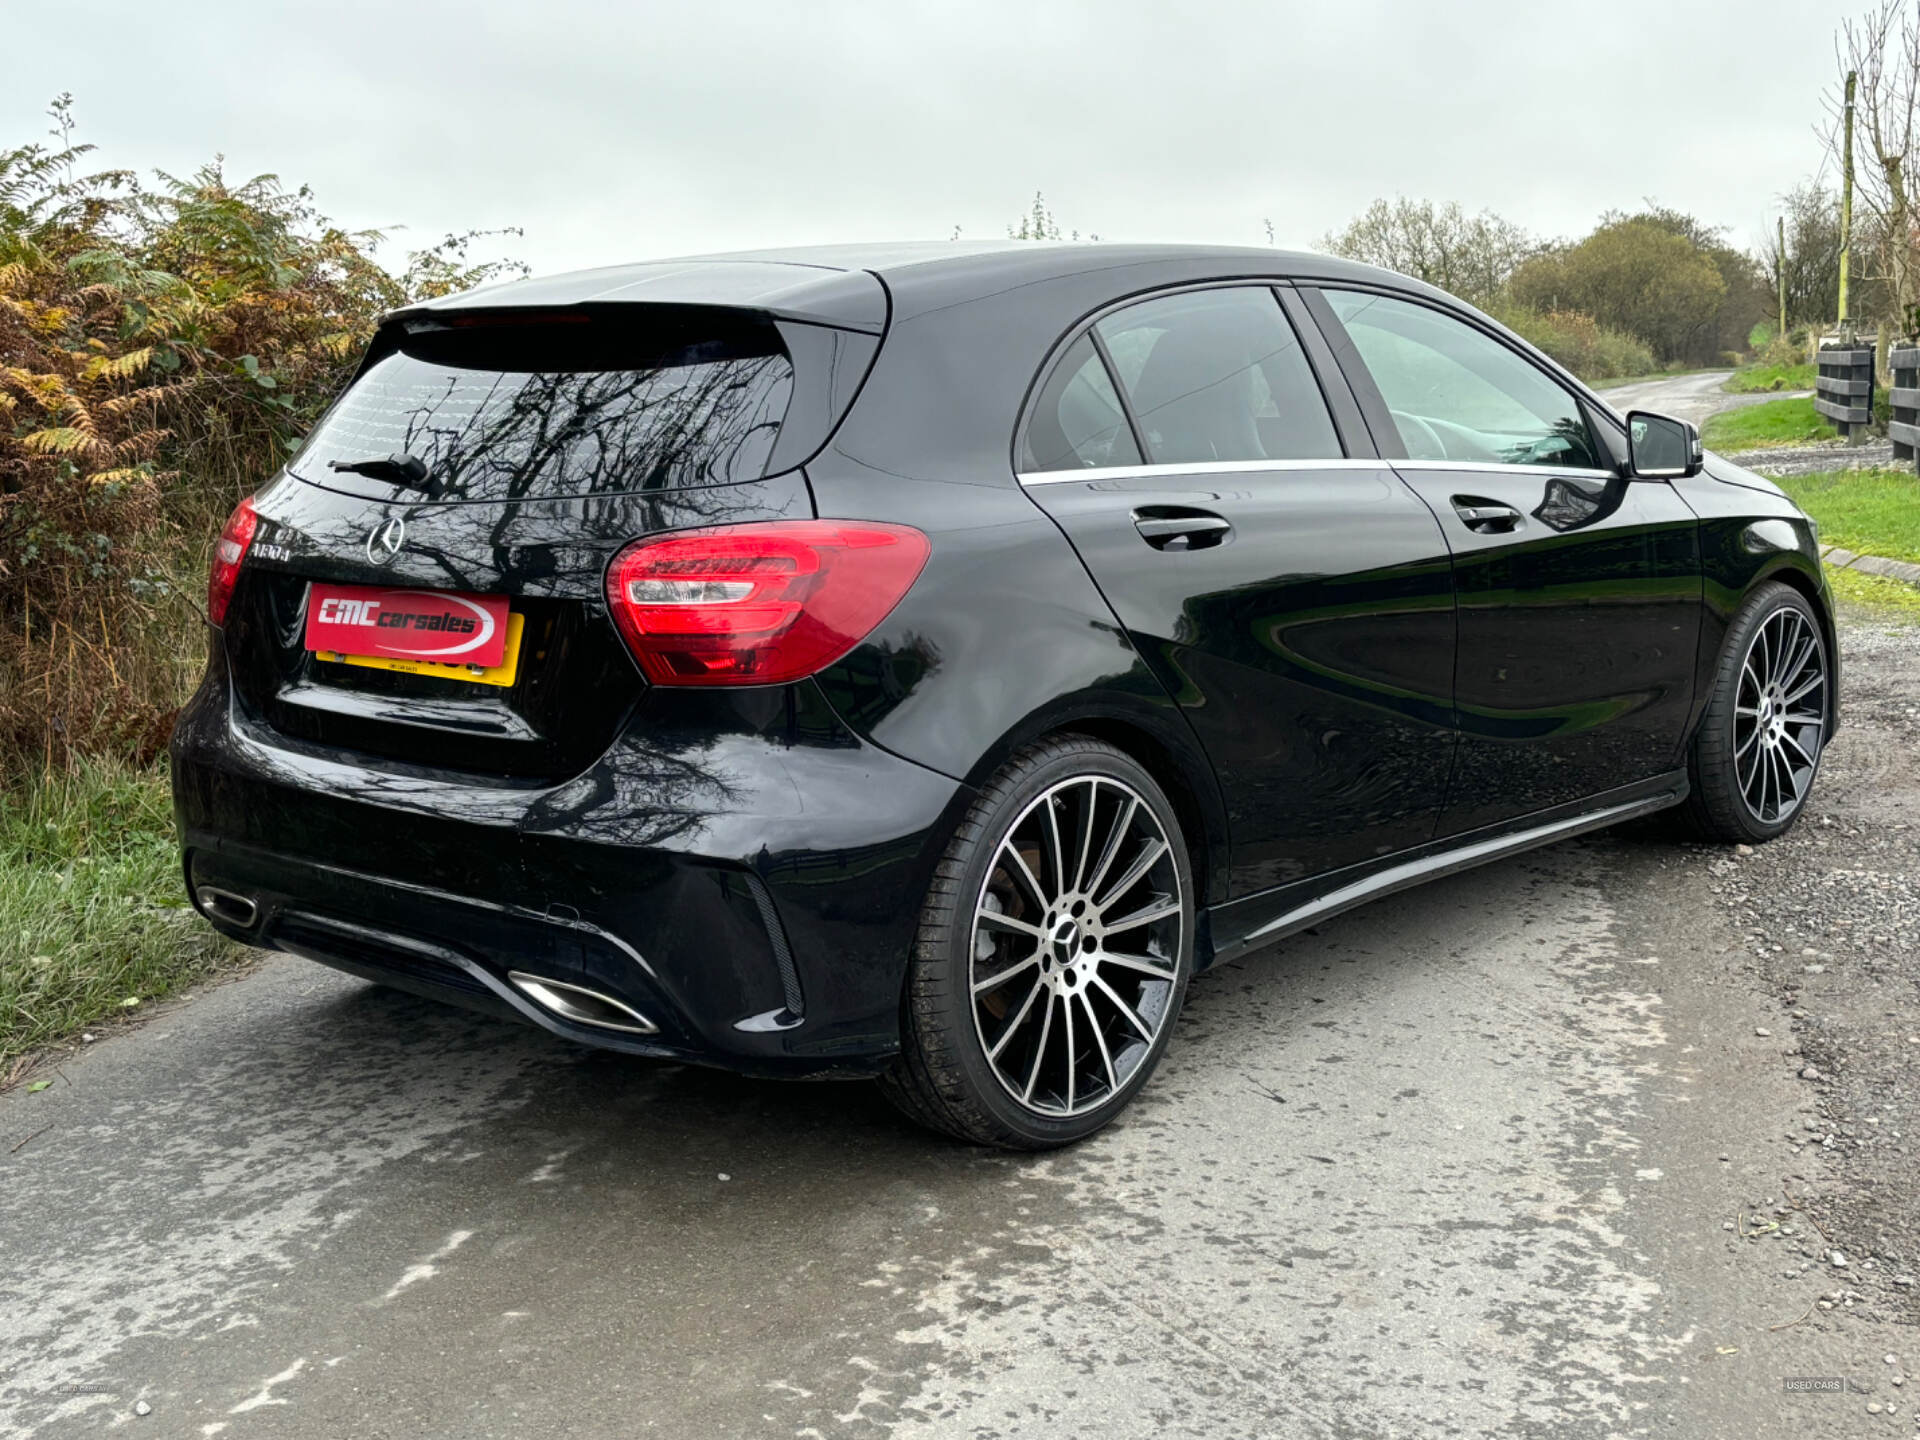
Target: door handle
column 1487, row 517
column 1171, row 528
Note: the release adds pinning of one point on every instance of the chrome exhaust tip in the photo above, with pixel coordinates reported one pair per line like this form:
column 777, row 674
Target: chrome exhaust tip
column 581, row 1005
column 228, row 907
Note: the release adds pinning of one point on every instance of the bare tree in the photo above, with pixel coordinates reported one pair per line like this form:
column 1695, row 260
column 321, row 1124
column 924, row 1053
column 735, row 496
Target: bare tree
column 1811, row 230
column 1883, row 48
column 1472, row 256
column 1038, row 224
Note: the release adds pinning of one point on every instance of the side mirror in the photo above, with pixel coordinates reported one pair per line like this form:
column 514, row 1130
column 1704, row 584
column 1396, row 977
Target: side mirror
column 1660, row 447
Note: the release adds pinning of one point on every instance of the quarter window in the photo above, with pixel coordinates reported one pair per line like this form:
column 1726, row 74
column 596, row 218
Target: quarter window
column 1218, row 375
column 1077, row 421
column 1457, row 394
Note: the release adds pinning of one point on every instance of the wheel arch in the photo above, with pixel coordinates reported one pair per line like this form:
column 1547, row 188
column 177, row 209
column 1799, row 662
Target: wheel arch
column 1749, row 537
column 1178, row 767
column 1719, row 804
column 1812, row 587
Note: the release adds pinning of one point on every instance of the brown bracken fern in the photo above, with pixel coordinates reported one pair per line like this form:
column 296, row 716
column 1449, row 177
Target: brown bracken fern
column 163, row 346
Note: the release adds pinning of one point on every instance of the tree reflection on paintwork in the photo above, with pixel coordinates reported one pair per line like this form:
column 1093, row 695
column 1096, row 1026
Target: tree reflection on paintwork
column 1572, row 505
column 509, row 435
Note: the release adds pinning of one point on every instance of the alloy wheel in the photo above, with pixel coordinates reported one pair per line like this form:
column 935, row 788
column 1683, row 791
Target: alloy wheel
column 1075, row 946
column 1779, row 715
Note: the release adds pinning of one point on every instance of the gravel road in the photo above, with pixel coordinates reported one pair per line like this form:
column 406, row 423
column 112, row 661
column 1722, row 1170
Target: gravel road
column 1811, row 459
column 1830, row 917
column 1524, row 1153
column 1698, row 396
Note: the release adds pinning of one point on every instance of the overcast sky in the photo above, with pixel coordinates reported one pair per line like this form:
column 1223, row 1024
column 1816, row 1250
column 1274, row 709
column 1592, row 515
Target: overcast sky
column 618, row 131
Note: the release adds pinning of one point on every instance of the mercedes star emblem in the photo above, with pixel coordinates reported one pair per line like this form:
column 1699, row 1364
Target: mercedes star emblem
column 385, row 542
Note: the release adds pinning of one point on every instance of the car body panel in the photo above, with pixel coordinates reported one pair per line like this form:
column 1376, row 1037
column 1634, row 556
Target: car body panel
column 1740, row 549
column 576, row 683
column 1312, row 651
column 1272, row 915
column 709, row 856
column 631, row 877
column 1578, row 627
column 1577, row 637
column 1002, row 580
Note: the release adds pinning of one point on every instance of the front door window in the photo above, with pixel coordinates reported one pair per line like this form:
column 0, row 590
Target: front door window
column 1457, row 394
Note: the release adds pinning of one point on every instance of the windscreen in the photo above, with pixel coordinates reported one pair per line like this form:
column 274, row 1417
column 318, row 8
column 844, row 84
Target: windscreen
column 505, row 411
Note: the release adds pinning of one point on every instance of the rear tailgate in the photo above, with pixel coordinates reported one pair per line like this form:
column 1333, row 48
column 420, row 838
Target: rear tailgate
column 548, row 441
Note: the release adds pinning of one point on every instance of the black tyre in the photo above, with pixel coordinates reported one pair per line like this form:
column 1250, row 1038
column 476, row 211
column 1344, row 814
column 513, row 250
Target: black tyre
column 1053, row 953
column 1758, row 751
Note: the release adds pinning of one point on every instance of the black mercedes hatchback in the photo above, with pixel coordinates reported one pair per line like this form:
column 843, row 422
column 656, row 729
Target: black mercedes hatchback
column 919, row 662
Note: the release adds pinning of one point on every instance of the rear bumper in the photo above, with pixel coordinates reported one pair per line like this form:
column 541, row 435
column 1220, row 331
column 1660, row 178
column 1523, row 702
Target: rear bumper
column 740, row 870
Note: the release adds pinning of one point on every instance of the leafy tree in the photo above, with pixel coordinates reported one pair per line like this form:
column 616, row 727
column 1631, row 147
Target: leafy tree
column 1579, row 342
column 1472, row 256
column 1633, row 273
column 1749, row 299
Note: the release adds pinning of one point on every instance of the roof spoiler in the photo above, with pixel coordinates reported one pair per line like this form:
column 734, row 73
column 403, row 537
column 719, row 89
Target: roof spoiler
column 809, row 294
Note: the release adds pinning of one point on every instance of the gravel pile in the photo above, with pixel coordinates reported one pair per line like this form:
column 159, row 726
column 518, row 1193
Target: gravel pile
column 1812, row 459
column 1783, row 463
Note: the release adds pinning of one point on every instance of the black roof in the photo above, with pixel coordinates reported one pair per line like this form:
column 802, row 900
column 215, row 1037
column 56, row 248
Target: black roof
column 835, row 284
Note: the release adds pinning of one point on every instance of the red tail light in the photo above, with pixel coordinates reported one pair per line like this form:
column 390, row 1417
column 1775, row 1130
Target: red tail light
column 228, row 554
column 758, row 604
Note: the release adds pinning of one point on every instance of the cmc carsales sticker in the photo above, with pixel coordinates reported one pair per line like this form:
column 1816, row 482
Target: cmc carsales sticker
column 441, row 625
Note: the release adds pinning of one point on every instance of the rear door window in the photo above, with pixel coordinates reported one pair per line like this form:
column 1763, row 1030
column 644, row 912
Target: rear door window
column 531, row 411
column 1218, row 375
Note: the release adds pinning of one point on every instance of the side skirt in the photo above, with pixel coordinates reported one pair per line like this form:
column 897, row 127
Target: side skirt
column 1241, row 926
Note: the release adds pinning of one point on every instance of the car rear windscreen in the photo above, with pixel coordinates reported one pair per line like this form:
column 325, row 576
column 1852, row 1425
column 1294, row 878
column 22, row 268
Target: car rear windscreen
column 505, row 409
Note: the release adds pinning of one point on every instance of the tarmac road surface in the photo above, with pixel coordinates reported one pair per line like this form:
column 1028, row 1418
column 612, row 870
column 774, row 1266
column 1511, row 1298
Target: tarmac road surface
column 1686, row 397
column 1467, row 1162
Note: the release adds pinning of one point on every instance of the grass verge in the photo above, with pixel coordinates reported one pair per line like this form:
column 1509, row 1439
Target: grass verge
column 1772, row 422
column 1875, row 595
column 1876, row 512
column 1758, row 379
column 93, row 921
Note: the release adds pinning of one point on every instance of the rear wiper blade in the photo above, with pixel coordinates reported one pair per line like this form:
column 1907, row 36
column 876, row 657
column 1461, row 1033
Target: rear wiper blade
column 408, row 471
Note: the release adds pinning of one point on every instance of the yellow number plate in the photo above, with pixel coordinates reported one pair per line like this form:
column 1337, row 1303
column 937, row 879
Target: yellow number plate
column 501, row 674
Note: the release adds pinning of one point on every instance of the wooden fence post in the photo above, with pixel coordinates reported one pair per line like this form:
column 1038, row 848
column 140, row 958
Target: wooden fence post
column 1904, row 428
column 1843, row 393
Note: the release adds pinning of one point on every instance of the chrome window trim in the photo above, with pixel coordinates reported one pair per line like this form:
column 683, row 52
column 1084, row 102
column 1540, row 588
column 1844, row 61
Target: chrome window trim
column 1507, row 468
column 1203, row 467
